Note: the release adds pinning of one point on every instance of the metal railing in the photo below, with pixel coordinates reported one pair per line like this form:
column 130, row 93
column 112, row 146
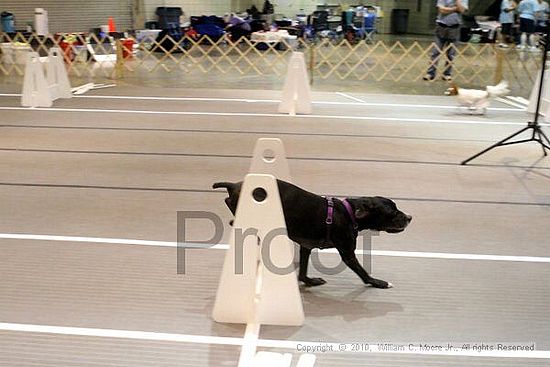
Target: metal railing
column 380, row 61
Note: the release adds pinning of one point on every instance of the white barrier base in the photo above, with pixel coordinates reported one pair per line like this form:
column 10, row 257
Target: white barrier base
column 41, row 89
column 270, row 359
column 296, row 92
column 88, row 87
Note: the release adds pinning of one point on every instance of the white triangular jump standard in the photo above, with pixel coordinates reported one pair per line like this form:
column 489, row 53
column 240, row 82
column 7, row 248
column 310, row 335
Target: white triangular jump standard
column 58, row 80
column 35, row 87
column 41, row 89
column 296, row 92
column 270, row 158
column 258, row 296
column 258, row 284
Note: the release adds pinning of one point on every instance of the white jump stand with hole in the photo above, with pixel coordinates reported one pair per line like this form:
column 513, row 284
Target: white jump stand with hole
column 296, row 92
column 270, row 158
column 253, row 294
column 41, row 88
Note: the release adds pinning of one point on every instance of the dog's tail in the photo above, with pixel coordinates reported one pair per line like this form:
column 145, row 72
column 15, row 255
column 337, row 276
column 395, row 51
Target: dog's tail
column 498, row 90
column 230, row 186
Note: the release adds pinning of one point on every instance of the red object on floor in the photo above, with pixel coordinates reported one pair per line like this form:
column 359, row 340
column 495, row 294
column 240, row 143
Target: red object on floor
column 112, row 26
column 127, row 48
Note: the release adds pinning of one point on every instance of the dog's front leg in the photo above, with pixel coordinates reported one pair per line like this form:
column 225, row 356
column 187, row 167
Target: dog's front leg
column 351, row 261
column 302, row 275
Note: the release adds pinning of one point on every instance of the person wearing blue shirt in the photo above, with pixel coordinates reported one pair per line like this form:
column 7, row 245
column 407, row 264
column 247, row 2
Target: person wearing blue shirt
column 527, row 10
column 447, row 34
column 541, row 16
column 506, row 20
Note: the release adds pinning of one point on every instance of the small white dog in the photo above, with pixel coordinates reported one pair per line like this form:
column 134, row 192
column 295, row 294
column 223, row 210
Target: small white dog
column 476, row 100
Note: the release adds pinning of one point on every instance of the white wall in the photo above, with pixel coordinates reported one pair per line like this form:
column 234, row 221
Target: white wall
column 71, row 16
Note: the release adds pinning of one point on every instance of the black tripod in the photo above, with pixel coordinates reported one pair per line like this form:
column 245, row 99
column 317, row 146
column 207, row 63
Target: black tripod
column 533, row 126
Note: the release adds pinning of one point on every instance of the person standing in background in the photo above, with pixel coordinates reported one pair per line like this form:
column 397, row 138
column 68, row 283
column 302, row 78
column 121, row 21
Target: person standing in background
column 447, row 33
column 541, row 16
column 506, row 20
column 527, row 10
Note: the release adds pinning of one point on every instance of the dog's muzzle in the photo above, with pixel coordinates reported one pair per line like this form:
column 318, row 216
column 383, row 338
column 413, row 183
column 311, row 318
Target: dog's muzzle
column 408, row 219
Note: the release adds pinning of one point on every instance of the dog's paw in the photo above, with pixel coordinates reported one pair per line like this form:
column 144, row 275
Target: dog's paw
column 378, row 283
column 313, row 282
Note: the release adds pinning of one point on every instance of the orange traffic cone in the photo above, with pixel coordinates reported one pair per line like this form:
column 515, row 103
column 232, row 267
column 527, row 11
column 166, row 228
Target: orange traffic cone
column 112, row 26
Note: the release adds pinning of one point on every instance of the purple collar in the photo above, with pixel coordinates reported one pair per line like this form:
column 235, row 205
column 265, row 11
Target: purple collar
column 330, row 211
column 349, row 209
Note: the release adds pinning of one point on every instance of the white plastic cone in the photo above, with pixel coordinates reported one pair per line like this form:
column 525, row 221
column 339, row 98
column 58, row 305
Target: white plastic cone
column 35, row 87
column 296, row 92
column 270, row 158
column 258, row 294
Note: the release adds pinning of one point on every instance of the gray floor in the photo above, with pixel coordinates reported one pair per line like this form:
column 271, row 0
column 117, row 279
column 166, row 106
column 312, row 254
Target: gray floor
column 108, row 174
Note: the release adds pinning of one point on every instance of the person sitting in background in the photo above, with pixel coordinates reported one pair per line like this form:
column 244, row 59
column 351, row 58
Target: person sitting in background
column 506, row 20
column 238, row 27
column 527, row 10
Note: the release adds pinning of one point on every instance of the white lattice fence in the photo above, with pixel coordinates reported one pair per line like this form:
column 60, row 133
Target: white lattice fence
column 388, row 62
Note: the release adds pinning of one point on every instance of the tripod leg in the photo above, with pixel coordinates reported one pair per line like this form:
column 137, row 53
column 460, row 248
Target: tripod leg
column 541, row 141
column 541, row 133
column 494, row 145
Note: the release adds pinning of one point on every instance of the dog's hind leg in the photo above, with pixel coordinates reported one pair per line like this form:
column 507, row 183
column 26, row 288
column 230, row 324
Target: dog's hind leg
column 302, row 275
column 351, row 261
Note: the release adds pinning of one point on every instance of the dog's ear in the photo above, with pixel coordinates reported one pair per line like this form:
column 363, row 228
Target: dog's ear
column 361, row 213
column 363, row 208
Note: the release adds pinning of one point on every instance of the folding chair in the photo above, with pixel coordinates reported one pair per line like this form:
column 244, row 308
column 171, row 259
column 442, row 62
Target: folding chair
column 370, row 26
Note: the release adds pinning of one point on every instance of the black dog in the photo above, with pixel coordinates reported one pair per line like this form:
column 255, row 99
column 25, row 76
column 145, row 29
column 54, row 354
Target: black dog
column 306, row 217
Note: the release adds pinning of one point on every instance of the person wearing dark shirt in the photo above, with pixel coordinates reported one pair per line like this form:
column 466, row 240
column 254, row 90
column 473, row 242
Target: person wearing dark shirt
column 447, row 33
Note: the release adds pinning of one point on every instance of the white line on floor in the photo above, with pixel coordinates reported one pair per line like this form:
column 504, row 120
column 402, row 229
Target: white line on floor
column 114, row 241
column 358, row 102
column 265, row 343
column 331, row 117
column 126, row 334
column 414, row 254
column 151, row 98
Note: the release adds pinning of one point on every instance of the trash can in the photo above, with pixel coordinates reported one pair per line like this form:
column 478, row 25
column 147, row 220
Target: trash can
column 41, row 22
column 127, row 48
column 169, row 18
column 8, row 22
column 400, row 21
